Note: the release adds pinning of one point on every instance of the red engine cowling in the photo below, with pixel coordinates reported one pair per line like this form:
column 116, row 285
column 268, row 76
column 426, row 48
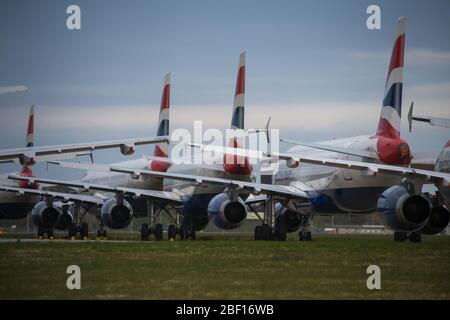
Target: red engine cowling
column 393, row 151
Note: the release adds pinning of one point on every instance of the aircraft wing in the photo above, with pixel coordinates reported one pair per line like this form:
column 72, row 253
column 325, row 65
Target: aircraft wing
column 433, row 121
column 349, row 151
column 367, row 167
column 151, row 194
column 57, row 195
column 33, row 153
column 281, row 190
column 12, row 89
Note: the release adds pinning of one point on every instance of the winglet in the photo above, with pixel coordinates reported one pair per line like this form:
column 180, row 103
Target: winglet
column 30, row 129
column 410, row 116
column 267, row 129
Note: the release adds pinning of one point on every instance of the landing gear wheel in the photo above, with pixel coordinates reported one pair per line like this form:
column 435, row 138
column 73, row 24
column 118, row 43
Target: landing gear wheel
column 183, row 233
column 172, row 232
column 258, row 233
column 399, row 236
column 415, row 237
column 266, row 232
column 158, row 232
column 72, row 231
column 84, row 231
column 280, row 232
column 145, row 232
column 308, row 236
column 40, row 233
column 50, row 234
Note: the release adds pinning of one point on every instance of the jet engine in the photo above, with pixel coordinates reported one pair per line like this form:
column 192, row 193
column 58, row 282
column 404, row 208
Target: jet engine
column 116, row 214
column 126, row 149
column 226, row 213
column 439, row 219
column 291, row 163
column 289, row 217
column 45, row 214
column 402, row 211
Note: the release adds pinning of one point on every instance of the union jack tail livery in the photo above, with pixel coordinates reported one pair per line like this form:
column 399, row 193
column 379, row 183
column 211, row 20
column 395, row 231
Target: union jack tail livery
column 161, row 149
column 163, row 123
column 30, row 129
column 237, row 120
column 232, row 163
column 391, row 111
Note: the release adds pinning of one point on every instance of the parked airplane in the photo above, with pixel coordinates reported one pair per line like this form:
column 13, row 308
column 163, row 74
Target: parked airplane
column 12, row 206
column 15, row 205
column 208, row 191
column 218, row 192
column 398, row 201
column 360, row 174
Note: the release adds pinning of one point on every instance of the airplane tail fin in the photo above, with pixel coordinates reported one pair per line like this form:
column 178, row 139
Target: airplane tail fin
column 30, row 129
column 391, row 110
column 161, row 149
column 232, row 163
column 237, row 121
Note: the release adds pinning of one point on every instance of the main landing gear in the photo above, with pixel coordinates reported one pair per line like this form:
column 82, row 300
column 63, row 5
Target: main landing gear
column 156, row 229
column 275, row 228
column 78, row 227
column 304, row 234
column 42, row 231
column 415, row 236
column 271, row 229
column 82, row 229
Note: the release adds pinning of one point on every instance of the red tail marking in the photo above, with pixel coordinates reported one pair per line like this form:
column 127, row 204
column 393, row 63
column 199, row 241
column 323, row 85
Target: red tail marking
column 165, row 99
column 397, row 57
column 240, row 81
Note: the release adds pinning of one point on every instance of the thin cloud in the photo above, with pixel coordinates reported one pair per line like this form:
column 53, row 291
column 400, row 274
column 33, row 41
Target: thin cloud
column 412, row 56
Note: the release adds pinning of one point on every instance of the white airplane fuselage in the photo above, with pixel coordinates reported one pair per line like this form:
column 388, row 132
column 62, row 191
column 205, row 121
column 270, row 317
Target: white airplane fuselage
column 335, row 190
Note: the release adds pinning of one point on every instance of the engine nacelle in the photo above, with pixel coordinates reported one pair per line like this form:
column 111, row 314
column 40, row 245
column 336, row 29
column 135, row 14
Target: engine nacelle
column 439, row 219
column 290, row 218
column 115, row 214
column 65, row 218
column 225, row 213
column 291, row 163
column 127, row 149
column 27, row 159
column 45, row 215
column 401, row 211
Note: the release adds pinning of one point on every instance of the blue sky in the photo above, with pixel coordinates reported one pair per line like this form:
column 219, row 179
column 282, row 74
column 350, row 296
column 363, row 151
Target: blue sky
column 312, row 65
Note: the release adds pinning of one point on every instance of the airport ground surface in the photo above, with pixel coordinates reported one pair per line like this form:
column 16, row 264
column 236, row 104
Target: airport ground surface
column 227, row 267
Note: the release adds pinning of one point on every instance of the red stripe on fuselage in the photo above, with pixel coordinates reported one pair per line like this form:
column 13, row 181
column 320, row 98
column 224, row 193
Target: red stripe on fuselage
column 398, row 53
column 240, row 81
column 165, row 100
